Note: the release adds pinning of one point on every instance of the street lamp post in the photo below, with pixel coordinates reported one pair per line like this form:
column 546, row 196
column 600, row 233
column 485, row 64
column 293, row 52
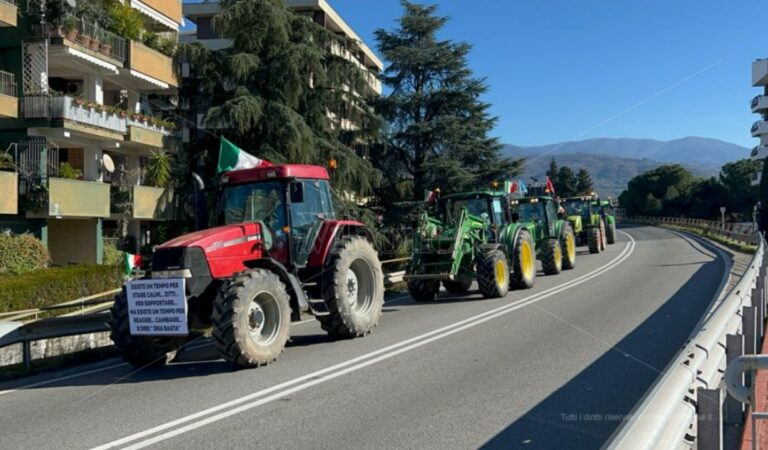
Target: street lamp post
column 722, row 217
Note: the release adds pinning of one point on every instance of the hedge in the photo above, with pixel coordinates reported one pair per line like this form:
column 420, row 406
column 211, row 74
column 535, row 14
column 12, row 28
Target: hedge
column 46, row 287
column 21, row 253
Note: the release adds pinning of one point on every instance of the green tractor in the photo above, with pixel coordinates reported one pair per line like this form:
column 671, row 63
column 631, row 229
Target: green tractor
column 587, row 222
column 466, row 237
column 554, row 237
column 609, row 218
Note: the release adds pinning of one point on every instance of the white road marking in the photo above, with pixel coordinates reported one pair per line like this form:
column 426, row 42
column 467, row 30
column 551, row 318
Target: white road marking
column 270, row 394
column 396, row 299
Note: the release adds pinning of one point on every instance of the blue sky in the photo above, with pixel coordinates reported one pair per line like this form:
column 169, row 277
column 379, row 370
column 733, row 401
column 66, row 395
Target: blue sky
column 558, row 69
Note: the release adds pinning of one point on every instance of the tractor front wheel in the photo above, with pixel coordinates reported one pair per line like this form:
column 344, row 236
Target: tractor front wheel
column 603, row 237
column 593, row 240
column 353, row 290
column 423, row 290
column 252, row 319
column 523, row 261
column 493, row 274
column 552, row 257
column 611, row 233
column 568, row 245
column 140, row 351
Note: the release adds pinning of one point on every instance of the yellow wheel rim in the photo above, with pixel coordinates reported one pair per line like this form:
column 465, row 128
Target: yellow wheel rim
column 501, row 273
column 570, row 244
column 526, row 258
column 558, row 255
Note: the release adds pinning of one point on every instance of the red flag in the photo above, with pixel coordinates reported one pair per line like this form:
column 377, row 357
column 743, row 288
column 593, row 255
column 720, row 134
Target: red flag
column 550, row 187
column 513, row 187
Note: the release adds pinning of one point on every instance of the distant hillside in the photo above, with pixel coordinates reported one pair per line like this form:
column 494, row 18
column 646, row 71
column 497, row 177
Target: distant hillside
column 705, row 152
column 609, row 173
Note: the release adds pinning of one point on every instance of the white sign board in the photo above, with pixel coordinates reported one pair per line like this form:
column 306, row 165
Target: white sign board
column 157, row 307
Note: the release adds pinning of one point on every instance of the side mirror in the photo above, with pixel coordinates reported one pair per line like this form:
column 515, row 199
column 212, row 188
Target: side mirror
column 297, row 192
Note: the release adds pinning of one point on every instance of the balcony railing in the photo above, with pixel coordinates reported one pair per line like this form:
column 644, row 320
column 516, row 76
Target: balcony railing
column 88, row 35
column 8, row 83
column 65, row 107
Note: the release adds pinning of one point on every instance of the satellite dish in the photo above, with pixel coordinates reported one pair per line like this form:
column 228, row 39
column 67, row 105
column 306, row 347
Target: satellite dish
column 71, row 3
column 107, row 165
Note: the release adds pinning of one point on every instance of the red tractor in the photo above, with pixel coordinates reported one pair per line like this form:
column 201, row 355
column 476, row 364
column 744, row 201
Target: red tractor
column 279, row 250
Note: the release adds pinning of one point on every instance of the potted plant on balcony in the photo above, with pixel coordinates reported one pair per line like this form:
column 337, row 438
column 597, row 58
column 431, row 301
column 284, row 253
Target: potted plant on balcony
column 95, row 41
column 70, row 28
column 79, row 100
column 70, row 173
column 136, row 117
column 122, row 112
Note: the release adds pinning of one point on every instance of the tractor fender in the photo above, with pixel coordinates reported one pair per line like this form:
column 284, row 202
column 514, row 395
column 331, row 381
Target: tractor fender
column 510, row 235
column 610, row 220
column 328, row 237
column 298, row 301
column 576, row 223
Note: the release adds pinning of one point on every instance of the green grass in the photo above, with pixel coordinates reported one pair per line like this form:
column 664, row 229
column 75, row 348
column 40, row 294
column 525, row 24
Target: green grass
column 730, row 243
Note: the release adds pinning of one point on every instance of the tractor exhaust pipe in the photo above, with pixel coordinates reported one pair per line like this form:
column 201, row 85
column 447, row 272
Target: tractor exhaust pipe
column 201, row 208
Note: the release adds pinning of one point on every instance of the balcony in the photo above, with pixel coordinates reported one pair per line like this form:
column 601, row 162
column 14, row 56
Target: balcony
column 759, row 103
column 166, row 12
column 8, row 13
column 9, row 186
column 9, row 103
column 759, row 128
column 77, row 115
column 75, row 198
column 151, row 66
column 760, row 72
column 759, row 152
column 143, row 133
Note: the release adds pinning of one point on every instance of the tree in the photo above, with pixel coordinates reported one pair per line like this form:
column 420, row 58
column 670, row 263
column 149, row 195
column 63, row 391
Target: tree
column 552, row 172
column 584, row 184
column 665, row 190
column 566, row 184
column 737, row 178
column 438, row 126
column 280, row 93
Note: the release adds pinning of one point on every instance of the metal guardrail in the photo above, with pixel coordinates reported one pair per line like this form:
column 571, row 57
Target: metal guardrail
column 734, row 383
column 687, row 408
column 90, row 319
column 745, row 233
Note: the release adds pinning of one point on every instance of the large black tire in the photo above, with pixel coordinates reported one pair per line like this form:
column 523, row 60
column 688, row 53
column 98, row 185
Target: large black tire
column 252, row 319
column 141, row 351
column 568, row 246
column 353, row 289
column 523, row 261
column 603, row 237
column 493, row 274
column 611, row 233
column 423, row 290
column 458, row 286
column 593, row 240
column 552, row 257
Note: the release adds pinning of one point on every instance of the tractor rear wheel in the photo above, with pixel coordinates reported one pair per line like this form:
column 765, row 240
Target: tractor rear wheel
column 552, row 257
column 523, row 261
column 493, row 274
column 353, row 289
column 252, row 319
column 140, row 351
column 593, row 240
column 611, row 233
column 458, row 286
column 423, row 290
column 568, row 246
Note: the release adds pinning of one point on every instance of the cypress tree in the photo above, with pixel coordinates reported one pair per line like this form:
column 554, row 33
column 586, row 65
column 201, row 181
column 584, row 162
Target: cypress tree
column 584, row 184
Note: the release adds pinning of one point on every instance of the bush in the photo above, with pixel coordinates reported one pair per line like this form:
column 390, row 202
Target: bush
column 113, row 256
column 48, row 287
column 22, row 253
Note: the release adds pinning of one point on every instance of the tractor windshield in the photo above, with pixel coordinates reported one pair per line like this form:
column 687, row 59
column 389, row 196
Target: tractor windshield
column 531, row 212
column 475, row 206
column 262, row 201
column 574, row 208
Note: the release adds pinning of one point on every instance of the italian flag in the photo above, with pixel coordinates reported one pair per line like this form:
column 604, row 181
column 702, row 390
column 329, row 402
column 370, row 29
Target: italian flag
column 231, row 157
column 131, row 262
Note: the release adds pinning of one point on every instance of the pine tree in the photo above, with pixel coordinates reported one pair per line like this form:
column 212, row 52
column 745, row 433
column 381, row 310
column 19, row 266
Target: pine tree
column 552, row 172
column 438, row 126
column 281, row 93
column 584, row 184
column 566, row 183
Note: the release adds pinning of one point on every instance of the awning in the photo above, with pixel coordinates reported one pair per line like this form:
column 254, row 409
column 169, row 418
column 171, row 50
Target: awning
column 93, row 60
column 149, row 79
column 146, row 10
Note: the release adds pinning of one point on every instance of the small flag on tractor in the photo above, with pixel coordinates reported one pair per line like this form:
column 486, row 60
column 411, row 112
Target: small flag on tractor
column 131, row 262
column 510, row 187
column 550, row 187
column 232, row 157
column 431, row 196
column 522, row 187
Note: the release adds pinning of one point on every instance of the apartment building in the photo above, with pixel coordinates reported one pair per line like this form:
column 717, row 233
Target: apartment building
column 759, row 106
column 320, row 11
column 82, row 112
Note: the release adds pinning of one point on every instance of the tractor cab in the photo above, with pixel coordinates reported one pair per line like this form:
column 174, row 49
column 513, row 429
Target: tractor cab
column 485, row 205
column 579, row 206
column 290, row 202
column 540, row 211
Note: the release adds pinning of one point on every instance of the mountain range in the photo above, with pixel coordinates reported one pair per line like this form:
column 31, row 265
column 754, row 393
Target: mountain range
column 612, row 162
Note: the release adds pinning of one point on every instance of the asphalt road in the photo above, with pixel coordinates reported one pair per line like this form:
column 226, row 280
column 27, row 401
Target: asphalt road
column 557, row 366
